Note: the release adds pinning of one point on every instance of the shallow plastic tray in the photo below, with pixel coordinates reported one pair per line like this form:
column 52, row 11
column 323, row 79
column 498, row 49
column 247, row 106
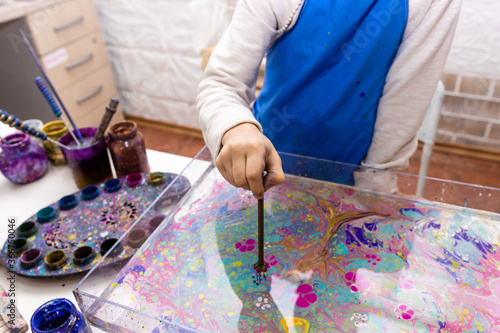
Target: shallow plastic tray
column 340, row 259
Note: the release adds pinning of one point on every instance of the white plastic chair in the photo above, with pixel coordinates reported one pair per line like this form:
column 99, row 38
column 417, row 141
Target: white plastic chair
column 427, row 134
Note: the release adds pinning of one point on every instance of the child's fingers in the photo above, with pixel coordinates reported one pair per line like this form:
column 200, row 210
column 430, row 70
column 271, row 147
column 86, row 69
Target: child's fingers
column 275, row 174
column 255, row 167
column 224, row 164
column 239, row 169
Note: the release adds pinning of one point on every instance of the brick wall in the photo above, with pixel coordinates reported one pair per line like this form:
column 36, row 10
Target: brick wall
column 471, row 110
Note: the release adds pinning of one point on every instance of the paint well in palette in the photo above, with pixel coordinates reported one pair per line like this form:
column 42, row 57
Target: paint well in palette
column 70, row 236
column 339, row 260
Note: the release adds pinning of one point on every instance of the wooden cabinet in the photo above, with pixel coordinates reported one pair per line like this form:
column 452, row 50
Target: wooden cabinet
column 88, row 97
column 76, row 60
column 67, row 39
column 61, row 24
column 72, row 51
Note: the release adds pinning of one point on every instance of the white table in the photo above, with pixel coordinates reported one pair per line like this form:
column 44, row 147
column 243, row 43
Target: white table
column 22, row 201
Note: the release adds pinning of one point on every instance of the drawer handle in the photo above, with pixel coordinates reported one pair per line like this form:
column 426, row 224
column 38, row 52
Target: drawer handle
column 89, row 96
column 80, row 62
column 69, row 24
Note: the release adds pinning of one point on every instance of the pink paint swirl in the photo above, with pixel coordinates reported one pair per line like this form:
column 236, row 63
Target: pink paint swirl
column 356, row 282
column 306, row 296
column 248, row 245
column 404, row 312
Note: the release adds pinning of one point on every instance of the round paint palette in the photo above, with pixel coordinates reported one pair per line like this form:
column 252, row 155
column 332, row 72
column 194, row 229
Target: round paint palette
column 71, row 235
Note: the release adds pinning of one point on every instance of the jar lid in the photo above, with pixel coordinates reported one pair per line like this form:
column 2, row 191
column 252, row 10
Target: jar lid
column 55, row 129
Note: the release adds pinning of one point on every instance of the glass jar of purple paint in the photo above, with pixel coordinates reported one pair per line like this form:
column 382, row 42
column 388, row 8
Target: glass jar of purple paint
column 89, row 160
column 21, row 160
column 58, row 316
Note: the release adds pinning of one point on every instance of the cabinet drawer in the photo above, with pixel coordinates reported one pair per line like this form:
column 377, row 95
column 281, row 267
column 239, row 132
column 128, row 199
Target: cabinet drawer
column 67, row 65
column 92, row 118
column 56, row 25
column 88, row 93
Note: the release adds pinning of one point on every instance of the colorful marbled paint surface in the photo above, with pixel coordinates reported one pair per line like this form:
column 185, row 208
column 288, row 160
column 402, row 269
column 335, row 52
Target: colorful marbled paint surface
column 394, row 265
column 90, row 223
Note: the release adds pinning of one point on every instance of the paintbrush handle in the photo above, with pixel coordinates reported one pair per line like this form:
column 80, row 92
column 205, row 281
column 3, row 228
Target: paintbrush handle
column 48, row 96
column 106, row 118
column 17, row 123
column 33, row 54
column 58, row 143
column 50, row 99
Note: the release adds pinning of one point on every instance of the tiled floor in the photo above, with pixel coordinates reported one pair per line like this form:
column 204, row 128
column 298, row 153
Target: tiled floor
column 170, row 142
column 458, row 168
column 443, row 166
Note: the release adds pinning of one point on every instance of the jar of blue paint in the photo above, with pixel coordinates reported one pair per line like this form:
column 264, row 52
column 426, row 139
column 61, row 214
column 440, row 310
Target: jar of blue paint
column 58, row 316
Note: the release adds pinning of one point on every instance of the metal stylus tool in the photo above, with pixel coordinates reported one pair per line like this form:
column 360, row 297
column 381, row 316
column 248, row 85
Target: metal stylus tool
column 261, row 265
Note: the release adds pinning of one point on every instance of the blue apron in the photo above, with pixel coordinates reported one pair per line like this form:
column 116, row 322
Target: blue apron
column 324, row 78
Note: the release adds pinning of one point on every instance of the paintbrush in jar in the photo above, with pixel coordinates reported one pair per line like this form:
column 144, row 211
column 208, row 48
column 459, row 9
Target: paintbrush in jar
column 55, row 108
column 106, row 119
column 44, row 74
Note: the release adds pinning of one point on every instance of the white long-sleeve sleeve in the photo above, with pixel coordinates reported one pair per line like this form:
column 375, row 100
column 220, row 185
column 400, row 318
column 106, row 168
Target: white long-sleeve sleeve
column 227, row 91
column 228, row 87
column 409, row 87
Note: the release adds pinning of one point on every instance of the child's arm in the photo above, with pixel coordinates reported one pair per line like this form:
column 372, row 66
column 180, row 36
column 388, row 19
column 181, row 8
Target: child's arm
column 408, row 90
column 228, row 89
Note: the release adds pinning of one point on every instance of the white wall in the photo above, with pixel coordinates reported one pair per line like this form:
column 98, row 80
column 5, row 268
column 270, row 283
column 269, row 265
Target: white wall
column 154, row 48
column 476, row 47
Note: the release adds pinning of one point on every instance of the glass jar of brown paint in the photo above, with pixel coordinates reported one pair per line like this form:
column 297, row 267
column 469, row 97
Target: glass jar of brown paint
column 127, row 148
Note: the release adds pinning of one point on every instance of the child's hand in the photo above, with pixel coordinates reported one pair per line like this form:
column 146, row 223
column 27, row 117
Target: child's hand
column 246, row 153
